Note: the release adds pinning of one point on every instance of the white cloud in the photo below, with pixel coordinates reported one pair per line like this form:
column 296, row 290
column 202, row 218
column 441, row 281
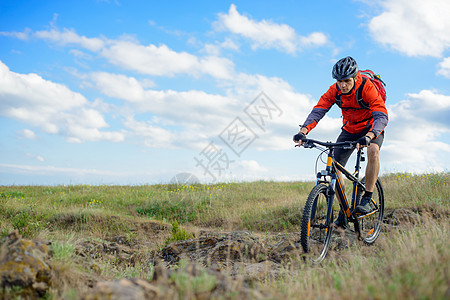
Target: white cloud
column 80, row 54
column 417, row 157
column 264, row 34
column 50, row 106
column 229, row 44
column 215, row 49
column 153, row 60
column 252, row 166
column 118, row 86
column 414, row 135
column 37, row 157
column 17, row 174
column 314, row 39
column 193, row 114
column 187, row 106
column 153, row 136
column 199, row 115
column 202, row 116
column 414, row 27
column 444, row 68
column 28, row 134
column 163, row 61
column 70, row 37
column 25, row 35
column 237, row 170
column 217, row 67
column 426, row 107
column 47, row 170
column 267, row 34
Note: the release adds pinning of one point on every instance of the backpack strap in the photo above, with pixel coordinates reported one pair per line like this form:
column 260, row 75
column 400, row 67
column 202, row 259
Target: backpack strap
column 358, row 94
column 338, row 97
column 359, row 97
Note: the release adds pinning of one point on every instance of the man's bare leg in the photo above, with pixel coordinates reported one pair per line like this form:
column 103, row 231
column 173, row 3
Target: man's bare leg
column 372, row 169
column 373, row 166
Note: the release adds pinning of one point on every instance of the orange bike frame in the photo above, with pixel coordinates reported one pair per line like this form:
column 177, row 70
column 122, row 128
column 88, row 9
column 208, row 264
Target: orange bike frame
column 336, row 186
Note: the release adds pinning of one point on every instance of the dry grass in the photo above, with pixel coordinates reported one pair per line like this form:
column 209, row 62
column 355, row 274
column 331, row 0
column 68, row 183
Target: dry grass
column 405, row 262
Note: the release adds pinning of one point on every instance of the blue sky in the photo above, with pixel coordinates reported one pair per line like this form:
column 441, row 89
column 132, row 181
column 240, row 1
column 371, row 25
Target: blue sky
column 136, row 92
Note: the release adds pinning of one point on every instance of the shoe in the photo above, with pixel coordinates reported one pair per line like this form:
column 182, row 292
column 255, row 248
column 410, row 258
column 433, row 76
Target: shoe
column 341, row 221
column 365, row 207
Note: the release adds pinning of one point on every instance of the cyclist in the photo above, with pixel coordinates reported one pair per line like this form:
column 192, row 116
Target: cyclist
column 366, row 126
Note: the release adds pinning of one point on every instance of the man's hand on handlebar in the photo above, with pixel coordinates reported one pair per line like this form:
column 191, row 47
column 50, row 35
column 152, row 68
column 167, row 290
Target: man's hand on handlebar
column 300, row 136
column 363, row 142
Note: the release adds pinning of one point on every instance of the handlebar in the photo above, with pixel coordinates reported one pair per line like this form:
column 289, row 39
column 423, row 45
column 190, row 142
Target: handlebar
column 310, row 143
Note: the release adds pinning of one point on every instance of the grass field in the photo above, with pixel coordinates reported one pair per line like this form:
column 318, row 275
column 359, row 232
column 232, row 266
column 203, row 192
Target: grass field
column 406, row 262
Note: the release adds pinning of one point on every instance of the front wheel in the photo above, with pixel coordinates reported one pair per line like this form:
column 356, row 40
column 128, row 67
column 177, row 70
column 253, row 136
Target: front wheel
column 316, row 230
column 370, row 225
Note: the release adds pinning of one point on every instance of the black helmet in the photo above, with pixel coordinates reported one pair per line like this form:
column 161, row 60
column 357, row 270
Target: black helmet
column 345, row 68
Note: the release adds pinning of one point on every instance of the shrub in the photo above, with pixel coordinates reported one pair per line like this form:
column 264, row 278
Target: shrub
column 178, row 234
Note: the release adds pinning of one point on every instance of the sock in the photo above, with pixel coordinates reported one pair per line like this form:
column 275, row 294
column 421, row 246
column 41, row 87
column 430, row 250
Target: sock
column 368, row 194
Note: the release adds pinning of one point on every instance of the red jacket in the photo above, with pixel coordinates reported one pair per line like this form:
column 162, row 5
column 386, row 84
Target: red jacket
column 355, row 118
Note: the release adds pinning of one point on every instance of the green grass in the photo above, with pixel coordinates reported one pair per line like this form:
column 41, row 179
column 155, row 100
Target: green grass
column 404, row 263
column 178, row 234
column 188, row 286
column 407, row 190
column 256, row 206
column 62, row 251
column 409, row 264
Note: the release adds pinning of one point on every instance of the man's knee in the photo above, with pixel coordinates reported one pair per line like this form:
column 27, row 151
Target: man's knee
column 373, row 152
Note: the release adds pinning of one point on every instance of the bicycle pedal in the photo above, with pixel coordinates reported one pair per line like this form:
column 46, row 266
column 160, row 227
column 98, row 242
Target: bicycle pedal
column 360, row 216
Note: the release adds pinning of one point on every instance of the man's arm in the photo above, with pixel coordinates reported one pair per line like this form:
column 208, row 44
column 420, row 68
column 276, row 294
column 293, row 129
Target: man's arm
column 323, row 106
column 378, row 109
column 313, row 118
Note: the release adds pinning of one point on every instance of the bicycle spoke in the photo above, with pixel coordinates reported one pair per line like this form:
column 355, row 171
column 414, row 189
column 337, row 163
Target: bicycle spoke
column 316, row 230
column 371, row 224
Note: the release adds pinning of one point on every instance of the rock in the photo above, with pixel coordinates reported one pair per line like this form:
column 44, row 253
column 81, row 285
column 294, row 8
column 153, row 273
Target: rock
column 219, row 250
column 284, row 250
column 188, row 281
column 263, row 270
column 24, row 263
column 124, row 289
column 94, row 250
column 402, row 216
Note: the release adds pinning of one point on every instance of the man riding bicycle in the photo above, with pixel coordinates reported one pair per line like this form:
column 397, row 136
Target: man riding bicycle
column 363, row 125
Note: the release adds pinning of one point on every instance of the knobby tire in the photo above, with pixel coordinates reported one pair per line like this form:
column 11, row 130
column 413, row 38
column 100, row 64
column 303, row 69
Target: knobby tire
column 315, row 236
column 370, row 226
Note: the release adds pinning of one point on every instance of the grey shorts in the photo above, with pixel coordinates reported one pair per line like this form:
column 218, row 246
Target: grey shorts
column 342, row 155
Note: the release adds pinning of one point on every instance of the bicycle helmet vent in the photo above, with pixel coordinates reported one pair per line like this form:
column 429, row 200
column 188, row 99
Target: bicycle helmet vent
column 345, row 68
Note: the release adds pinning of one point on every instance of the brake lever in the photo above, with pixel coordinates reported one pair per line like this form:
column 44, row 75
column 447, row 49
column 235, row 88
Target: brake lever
column 308, row 145
column 349, row 147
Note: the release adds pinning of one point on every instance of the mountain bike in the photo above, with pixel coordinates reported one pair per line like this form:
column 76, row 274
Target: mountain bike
column 321, row 211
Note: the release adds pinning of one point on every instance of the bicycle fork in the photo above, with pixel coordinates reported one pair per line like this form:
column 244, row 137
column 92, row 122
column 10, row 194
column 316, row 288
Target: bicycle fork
column 330, row 177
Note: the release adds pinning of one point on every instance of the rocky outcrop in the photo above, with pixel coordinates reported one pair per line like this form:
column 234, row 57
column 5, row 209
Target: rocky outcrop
column 25, row 264
column 402, row 217
column 216, row 249
column 188, row 281
column 123, row 289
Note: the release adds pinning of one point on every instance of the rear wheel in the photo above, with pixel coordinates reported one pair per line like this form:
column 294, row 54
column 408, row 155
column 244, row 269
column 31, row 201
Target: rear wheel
column 316, row 231
column 370, row 225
